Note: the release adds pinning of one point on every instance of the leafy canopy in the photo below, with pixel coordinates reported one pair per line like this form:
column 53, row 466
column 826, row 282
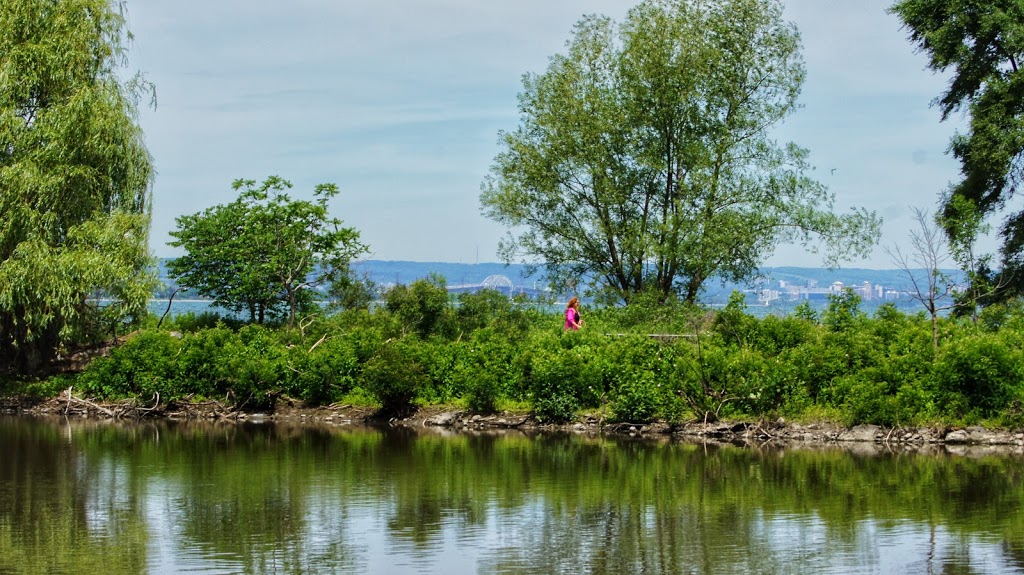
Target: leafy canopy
column 644, row 162
column 74, row 178
column 264, row 252
column 982, row 43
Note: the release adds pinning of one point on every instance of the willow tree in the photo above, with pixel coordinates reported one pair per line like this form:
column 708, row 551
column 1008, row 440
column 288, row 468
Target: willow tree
column 644, row 160
column 74, row 178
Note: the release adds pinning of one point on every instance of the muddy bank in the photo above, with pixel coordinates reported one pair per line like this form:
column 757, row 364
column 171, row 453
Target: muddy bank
column 286, row 410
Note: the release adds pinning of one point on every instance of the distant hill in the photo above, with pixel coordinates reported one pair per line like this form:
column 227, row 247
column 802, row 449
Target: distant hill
column 402, row 272
column 390, row 272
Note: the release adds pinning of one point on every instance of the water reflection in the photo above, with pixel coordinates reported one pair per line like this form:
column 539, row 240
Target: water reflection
column 174, row 497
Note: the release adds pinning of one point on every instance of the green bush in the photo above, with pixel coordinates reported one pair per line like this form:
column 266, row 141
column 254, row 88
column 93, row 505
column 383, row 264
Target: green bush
column 422, row 307
column 564, row 377
column 191, row 321
column 637, row 377
column 143, row 366
column 480, row 309
column 492, row 369
column 442, row 362
column 394, row 375
column 979, row 376
column 732, row 323
column 869, row 401
column 326, row 373
column 209, row 361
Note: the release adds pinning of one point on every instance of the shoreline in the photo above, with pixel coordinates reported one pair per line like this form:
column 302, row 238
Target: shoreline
column 453, row 420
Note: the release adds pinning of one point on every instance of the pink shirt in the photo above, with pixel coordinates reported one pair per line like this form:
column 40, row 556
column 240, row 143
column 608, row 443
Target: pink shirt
column 572, row 318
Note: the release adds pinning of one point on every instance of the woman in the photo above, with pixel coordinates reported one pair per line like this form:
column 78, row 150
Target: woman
column 572, row 314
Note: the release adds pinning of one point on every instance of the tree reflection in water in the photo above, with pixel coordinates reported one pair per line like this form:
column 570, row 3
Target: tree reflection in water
column 166, row 497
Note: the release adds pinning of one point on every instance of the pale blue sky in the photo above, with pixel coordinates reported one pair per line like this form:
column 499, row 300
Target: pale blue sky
column 399, row 102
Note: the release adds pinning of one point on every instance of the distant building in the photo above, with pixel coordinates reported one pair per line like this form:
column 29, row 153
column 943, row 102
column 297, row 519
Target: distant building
column 865, row 291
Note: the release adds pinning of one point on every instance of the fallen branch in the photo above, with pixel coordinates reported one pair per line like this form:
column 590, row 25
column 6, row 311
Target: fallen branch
column 70, row 398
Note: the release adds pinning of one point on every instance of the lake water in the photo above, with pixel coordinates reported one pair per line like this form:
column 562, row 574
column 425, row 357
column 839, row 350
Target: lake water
column 155, row 498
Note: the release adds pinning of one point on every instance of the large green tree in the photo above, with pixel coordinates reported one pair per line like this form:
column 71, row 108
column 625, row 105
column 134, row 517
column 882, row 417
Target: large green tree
column 265, row 252
column 645, row 161
column 74, row 178
column 981, row 42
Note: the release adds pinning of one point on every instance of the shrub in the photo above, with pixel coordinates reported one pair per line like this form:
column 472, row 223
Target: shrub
column 422, row 306
column 191, row 321
column 563, row 378
column 869, row 401
column 394, row 375
column 441, row 362
column 843, row 311
column 733, row 324
column 777, row 334
column 635, row 372
column 492, row 369
column 325, row 374
column 208, row 364
column 143, row 365
column 978, row 376
column 480, row 309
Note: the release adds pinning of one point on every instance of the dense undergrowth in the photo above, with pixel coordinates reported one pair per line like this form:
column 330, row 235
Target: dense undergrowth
column 637, row 363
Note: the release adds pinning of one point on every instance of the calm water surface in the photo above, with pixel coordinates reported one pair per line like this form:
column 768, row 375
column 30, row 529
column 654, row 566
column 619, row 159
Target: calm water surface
column 154, row 498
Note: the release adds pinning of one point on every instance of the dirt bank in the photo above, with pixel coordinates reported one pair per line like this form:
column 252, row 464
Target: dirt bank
column 287, row 410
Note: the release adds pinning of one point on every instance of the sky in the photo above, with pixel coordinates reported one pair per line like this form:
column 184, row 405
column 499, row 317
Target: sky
column 400, row 102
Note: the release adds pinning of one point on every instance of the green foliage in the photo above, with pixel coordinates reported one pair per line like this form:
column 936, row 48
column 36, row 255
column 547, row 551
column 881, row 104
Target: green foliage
column 639, row 373
column 563, row 376
column 733, row 323
column 610, row 178
column 264, row 252
column 977, row 41
column 979, row 376
column 325, row 374
column 492, row 370
column 422, row 306
column 191, row 321
column 143, row 366
column 805, row 312
column 75, row 179
column 442, row 362
column 395, row 375
column 702, row 381
column 651, row 313
column 843, row 311
column 878, row 370
column 351, row 292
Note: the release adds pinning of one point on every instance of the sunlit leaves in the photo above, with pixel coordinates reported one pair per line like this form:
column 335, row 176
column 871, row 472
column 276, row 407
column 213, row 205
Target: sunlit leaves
column 981, row 42
column 643, row 159
column 265, row 252
column 74, row 178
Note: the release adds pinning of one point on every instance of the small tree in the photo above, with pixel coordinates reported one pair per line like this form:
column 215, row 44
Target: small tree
column 421, row 306
column 964, row 224
column 930, row 286
column 264, row 252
